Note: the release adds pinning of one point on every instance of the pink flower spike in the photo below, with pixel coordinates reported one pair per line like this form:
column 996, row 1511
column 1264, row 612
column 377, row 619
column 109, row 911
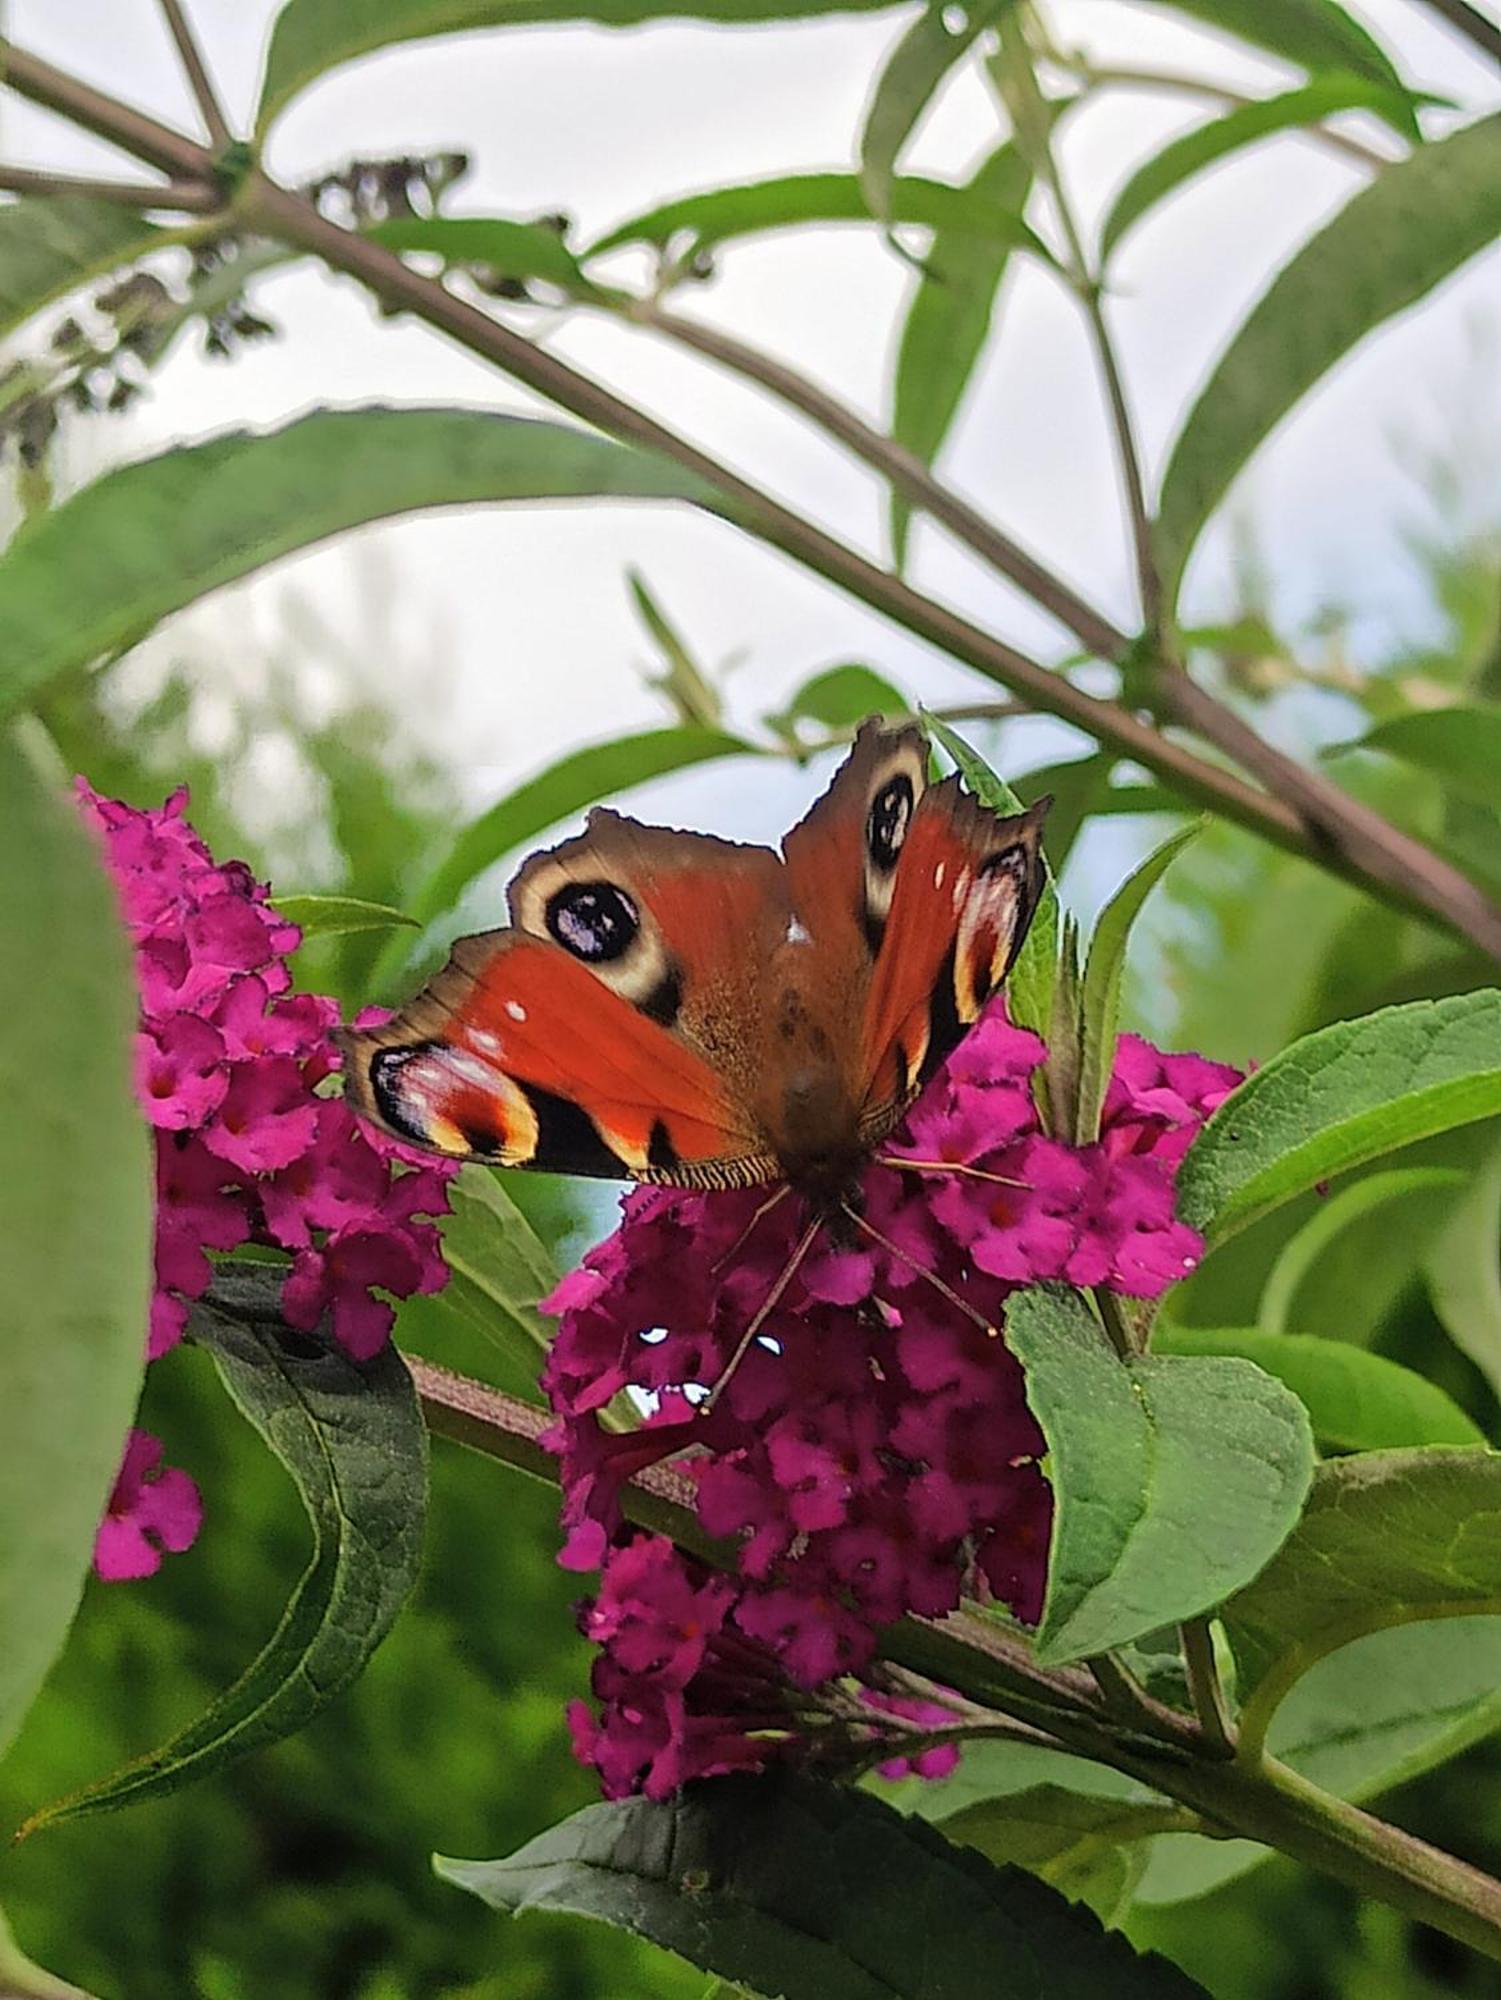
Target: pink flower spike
column 267, row 1117
column 180, row 1073
column 151, row 1511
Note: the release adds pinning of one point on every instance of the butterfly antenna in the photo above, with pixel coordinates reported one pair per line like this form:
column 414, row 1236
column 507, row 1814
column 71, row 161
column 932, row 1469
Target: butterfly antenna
column 744, row 1237
column 947, row 1167
column 767, row 1307
column 987, row 1327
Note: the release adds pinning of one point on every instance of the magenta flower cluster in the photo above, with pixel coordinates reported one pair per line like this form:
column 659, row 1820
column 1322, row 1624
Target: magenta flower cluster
column 229, row 1064
column 873, row 1455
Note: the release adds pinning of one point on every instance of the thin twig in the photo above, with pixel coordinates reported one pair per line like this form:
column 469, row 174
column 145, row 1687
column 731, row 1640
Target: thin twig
column 187, row 197
column 1470, row 22
column 204, row 95
column 134, row 132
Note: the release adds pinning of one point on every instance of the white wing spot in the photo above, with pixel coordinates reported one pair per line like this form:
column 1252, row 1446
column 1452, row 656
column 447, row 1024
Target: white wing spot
column 471, row 1070
column 515, row 1009
column 797, row 934
column 938, row 875
column 490, row 1044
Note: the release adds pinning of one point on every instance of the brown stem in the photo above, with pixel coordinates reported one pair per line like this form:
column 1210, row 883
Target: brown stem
column 106, row 117
column 188, row 197
column 1470, row 22
column 199, row 81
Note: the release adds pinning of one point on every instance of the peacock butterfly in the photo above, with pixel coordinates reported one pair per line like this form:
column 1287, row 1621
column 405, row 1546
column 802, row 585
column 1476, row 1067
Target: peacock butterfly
column 672, row 1008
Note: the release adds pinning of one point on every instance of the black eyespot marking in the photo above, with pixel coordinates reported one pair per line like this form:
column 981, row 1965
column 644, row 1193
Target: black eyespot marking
column 665, row 1000
column 386, row 1067
column 886, row 826
column 594, row 920
column 1010, row 861
column 661, row 1153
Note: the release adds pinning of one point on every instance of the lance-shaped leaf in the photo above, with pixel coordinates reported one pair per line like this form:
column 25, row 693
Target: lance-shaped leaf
column 792, row 1887
column 1174, row 1477
column 312, row 36
column 935, row 42
column 164, row 532
column 340, row 916
column 1182, row 159
column 949, row 320
column 839, row 698
column 1340, row 1097
column 1104, row 969
column 1357, row 1401
column 1388, row 1538
column 351, row 1437
column 50, row 246
column 1461, row 747
column 1310, row 34
column 75, row 1217
column 498, row 242
column 499, row 1268
column 1416, row 223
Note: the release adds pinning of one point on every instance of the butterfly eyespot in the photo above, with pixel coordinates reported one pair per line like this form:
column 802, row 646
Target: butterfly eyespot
column 594, row 921
column 886, row 826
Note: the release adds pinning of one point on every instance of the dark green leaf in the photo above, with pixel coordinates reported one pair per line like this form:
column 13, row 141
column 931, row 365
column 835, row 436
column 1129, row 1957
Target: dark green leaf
column 788, row 201
column 1341, row 1097
column 1104, row 968
column 1029, row 989
column 839, row 698
column 1311, row 34
column 948, row 322
column 914, row 72
column 337, row 916
column 1461, row 747
column 1174, row 1477
column 1416, row 223
column 49, row 246
column 1307, row 1248
column 352, row 1439
column 797, row 1888
column 312, row 36
column 1182, row 159
column 498, row 1269
column 166, row 531
column 20, row 1979
column 1088, row 1847
column 75, row 1217
column 1357, row 1401
column 1388, row 1537
column 498, row 243
column 1463, row 1269
column 1078, row 787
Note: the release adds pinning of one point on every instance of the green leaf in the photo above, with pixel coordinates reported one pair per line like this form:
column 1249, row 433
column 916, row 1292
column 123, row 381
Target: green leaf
column 1303, row 1251
column 907, row 85
column 948, row 322
column 496, row 242
column 1463, row 1270
column 352, row 1439
column 1104, row 969
column 312, row 36
column 1388, row 1537
column 164, row 532
column 692, row 694
column 839, row 698
column 566, row 787
column 1461, row 747
column 793, row 1887
column 1029, row 988
column 1357, row 1401
column 51, row 245
column 1174, row 1477
column 337, row 916
column 790, row 201
column 1311, row 34
column 498, row 1269
column 20, row 1979
column 1416, row 223
column 1078, row 787
column 1182, row 159
column 75, row 1217
column 1338, row 1098
column 1089, row 1848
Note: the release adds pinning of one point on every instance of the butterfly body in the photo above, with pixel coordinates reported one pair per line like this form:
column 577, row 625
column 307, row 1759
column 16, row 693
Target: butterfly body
column 678, row 1009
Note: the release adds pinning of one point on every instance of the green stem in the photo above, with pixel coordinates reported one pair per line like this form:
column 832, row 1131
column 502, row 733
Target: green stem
column 1197, row 1640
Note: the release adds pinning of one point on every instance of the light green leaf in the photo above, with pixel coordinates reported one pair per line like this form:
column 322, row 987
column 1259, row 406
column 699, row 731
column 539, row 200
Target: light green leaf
column 789, row 201
column 839, row 698
column 498, row 1270
column 1416, row 223
column 1357, row 1401
column 500, row 243
column 690, row 691
column 1461, row 747
column 1303, row 1251
column 914, row 72
column 75, row 1217
column 337, row 916
column 1089, row 1848
column 312, row 36
column 949, row 320
column 1341, row 1097
column 1078, row 787
column 794, row 1887
column 1463, row 1269
column 1104, row 970
column 1182, row 159
column 49, row 246
column 1388, row 1537
column 352, row 1439
column 1174, row 1477
column 1029, row 988
column 20, row 1979
column 1311, row 34
column 166, row 531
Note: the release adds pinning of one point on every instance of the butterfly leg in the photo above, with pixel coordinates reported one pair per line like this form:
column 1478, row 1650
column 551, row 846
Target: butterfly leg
column 743, row 1238
column 869, row 1229
column 947, row 1167
column 763, row 1312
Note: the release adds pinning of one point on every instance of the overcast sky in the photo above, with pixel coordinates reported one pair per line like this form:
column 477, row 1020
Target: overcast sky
column 528, row 609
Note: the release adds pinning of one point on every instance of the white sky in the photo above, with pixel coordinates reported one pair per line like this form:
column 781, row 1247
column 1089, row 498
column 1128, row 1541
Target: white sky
column 528, row 609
